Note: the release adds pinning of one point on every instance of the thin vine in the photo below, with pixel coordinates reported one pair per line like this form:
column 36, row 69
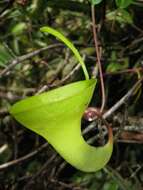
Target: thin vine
column 98, row 57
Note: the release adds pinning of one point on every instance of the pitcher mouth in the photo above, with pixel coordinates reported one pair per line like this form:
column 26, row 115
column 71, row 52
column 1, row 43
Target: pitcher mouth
column 52, row 96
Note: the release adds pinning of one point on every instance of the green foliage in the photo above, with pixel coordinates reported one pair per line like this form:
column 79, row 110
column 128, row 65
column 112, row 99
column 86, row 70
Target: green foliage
column 95, row 2
column 5, row 55
column 19, row 28
column 120, row 15
column 93, row 181
column 114, row 66
column 123, row 3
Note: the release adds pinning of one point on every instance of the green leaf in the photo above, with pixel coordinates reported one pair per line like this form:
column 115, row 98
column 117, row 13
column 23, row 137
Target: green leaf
column 95, row 2
column 69, row 44
column 112, row 185
column 123, row 3
column 56, row 115
column 5, row 56
column 18, row 28
column 120, row 15
column 114, row 65
column 127, row 17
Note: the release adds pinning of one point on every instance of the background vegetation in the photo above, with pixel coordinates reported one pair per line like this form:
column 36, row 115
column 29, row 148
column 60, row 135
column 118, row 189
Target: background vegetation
column 31, row 62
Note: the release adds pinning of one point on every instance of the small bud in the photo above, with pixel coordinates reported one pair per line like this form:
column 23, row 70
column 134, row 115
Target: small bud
column 91, row 113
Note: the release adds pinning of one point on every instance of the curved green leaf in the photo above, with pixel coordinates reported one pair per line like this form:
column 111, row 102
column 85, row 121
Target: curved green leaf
column 69, row 44
column 56, row 115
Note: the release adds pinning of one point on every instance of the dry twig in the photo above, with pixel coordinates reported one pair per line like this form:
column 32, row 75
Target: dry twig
column 22, row 58
column 24, row 158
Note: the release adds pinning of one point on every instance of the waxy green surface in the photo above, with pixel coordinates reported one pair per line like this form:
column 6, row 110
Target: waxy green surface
column 56, row 116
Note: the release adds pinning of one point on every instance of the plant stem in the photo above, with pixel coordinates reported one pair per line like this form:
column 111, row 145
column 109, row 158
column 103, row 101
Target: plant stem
column 98, row 57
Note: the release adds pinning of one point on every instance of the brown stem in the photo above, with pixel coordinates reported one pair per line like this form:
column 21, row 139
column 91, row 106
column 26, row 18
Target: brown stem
column 98, row 58
column 126, row 71
column 22, row 159
column 22, row 58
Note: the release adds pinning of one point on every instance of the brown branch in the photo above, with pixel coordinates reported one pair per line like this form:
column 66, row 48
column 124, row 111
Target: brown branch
column 125, row 71
column 123, row 99
column 71, row 186
column 51, row 159
column 3, row 112
column 22, row 58
column 114, row 107
column 9, row 5
column 24, row 158
column 98, row 58
column 73, row 6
